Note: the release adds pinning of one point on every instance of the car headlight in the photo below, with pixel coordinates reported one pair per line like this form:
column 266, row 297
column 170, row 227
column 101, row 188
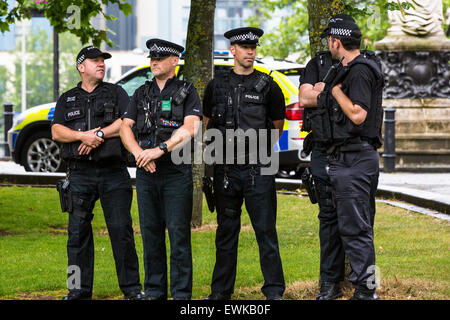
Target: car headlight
column 18, row 120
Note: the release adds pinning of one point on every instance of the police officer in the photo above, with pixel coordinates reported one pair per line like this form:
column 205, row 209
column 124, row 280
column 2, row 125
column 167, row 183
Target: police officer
column 87, row 122
column 244, row 98
column 332, row 257
column 165, row 112
column 353, row 101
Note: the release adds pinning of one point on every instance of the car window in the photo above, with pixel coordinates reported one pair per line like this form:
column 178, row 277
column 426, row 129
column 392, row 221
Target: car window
column 135, row 80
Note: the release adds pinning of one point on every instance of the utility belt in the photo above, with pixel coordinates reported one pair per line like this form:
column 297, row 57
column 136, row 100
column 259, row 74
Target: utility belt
column 353, row 145
column 83, row 164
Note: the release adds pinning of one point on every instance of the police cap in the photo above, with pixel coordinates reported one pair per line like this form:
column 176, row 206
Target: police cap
column 161, row 48
column 245, row 35
column 91, row 52
column 343, row 26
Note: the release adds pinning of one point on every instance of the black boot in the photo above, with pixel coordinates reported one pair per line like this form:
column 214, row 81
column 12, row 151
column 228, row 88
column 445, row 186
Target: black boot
column 78, row 295
column 360, row 294
column 329, row 291
column 218, row 296
column 138, row 295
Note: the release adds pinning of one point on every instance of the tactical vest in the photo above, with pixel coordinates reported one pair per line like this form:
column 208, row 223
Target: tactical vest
column 85, row 111
column 343, row 128
column 323, row 61
column 159, row 115
column 241, row 106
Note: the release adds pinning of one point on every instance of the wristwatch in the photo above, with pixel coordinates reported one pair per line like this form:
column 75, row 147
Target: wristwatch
column 100, row 134
column 163, row 147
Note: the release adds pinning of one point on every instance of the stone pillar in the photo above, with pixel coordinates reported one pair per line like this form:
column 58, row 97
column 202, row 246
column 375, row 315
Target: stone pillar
column 415, row 56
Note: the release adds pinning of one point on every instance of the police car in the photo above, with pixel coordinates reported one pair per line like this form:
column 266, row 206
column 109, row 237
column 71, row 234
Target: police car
column 32, row 147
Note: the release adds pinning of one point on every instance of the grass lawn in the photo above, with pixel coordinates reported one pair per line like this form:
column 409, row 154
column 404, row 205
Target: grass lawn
column 412, row 251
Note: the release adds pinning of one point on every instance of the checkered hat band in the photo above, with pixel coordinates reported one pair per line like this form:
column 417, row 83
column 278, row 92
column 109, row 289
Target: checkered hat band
column 156, row 48
column 80, row 59
column 243, row 37
column 341, row 32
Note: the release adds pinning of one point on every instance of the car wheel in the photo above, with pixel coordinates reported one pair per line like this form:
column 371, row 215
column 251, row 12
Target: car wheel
column 41, row 154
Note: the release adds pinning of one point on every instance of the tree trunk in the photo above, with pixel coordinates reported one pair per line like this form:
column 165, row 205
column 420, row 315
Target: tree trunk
column 319, row 12
column 198, row 69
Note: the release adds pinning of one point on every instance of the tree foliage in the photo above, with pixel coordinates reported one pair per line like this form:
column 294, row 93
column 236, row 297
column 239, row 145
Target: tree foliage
column 296, row 31
column 39, row 71
column 65, row 16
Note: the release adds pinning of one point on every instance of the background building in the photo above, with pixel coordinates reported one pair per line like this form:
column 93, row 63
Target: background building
column 167, row 19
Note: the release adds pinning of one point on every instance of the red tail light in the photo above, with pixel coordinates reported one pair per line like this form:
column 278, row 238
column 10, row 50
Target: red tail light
column 294, row 112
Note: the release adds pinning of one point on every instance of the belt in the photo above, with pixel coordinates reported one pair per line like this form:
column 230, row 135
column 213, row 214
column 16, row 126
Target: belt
column 354, row 146
column 80, row 164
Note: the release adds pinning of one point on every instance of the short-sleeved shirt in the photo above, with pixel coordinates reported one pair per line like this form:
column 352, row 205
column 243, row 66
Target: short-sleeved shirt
column 191, row 105
column 58, row 118
column 359, row 85
column 275, row 102
column 311, row 73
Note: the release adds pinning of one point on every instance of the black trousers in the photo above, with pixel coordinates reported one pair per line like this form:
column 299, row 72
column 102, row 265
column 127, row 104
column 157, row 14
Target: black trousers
column 165, row 200
column 113, row 187
column 332, row 256
column 354, row 177
column 259, row 192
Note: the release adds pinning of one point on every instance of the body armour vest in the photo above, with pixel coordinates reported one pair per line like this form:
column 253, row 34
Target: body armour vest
column 85, row 111
column 159, row 115
column 244, row 106
column 324, row 62
column 343, row 129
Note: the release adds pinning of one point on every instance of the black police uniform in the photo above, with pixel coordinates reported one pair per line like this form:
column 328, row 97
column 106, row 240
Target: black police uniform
column 231, row 101
column 354, row 162
column 332, row 257
column 165, row 196
column 100, row 175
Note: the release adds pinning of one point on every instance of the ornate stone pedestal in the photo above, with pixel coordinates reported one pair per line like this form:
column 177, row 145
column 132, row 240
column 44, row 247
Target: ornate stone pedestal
column 417, row 75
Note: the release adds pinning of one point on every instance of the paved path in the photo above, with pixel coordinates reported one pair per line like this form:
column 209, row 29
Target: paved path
column 429, row 190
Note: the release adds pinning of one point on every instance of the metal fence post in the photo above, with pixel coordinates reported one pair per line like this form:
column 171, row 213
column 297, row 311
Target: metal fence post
column 8, row 115
column 389, row 140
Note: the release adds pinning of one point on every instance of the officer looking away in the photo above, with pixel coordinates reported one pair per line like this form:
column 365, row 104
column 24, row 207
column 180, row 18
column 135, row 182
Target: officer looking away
column 244, row 98
column 166, row 112
column 87, row 122
column 332, row 257
column 353, row 101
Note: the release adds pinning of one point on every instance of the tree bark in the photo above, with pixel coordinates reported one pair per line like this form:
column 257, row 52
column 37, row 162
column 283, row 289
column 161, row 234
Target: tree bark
column 198, row 69
column 319, row 12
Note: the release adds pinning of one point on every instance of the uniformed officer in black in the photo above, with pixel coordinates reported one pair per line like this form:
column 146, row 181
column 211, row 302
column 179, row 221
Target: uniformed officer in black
column 354, row 103
column 87, row 122
column 244, row 98
column 332, row 257
column 166, row 112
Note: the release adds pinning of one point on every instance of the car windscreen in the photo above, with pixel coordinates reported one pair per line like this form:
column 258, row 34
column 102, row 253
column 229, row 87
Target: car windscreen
column 135, row 80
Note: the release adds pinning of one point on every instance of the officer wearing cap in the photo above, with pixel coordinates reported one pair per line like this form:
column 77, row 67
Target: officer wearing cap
column 244, row 98
column 353, row 104
column 87, row 122
column 165, row 112
column 332, row 257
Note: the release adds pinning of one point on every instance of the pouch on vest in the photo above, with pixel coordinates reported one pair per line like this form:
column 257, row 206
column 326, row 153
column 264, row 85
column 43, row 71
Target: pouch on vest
column 109, row 112
column 262, row 82
column 320, row 120
column 140, row 119
column 178, row 102
column 218, row 114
